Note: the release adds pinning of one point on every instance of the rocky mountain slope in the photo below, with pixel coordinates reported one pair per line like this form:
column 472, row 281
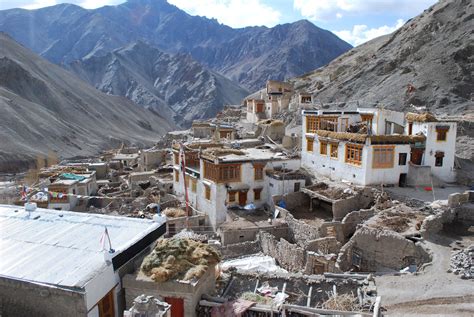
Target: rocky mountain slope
column 45, row 108
column 64, row 33
column 427, row 63
column 175, row 85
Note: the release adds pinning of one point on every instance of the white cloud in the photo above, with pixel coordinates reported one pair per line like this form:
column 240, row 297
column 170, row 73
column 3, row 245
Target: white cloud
column 92, row 4
column 235, row 13
column 87, row 4
column 39, row 4
column 362, row 33
column 323, row 10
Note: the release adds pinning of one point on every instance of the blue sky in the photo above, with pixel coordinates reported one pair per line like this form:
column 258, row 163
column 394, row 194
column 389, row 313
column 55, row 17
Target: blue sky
column 355, row 21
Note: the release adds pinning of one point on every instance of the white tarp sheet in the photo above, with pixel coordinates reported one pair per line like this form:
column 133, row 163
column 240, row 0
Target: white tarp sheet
column 260, row 263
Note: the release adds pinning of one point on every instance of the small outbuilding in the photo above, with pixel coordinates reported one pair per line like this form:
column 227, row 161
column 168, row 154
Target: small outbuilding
column 53, row 263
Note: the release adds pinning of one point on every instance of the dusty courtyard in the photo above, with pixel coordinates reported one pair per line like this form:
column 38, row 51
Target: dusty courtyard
column 434, row 291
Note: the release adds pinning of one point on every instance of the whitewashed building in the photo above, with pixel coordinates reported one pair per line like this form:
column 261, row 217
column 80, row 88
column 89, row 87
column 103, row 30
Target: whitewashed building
column 276, row 99
column 53, row 263
column 373, row 146
column 219, row 178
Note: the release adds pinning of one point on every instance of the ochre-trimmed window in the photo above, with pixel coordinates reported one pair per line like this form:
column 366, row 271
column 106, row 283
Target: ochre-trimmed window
column 309, row 144
column 232, row 196
column 176, row 175
column 221, row 173
column 257, row 193
column 207, row 192
column 383, row 156
column 441, row 133
column 333, row 148
column 354, row 154
column 311, row 124
column 328, row 123
column 176, row 158
column 323, row 148
column 258, row 171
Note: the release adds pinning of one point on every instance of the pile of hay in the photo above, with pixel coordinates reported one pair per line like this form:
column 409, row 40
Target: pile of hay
column 420, row 117
column 183, row 259
column 345, row 136
column 344, row 302
column 270, row 122
column 397, row 139
column 218, row 152
column 174, row 212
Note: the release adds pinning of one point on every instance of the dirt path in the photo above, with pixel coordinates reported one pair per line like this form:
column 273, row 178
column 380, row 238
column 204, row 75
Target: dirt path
column 433, row 292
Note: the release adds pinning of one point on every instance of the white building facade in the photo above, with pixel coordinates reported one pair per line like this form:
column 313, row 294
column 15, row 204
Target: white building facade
column 370, row 147
column 226, row 180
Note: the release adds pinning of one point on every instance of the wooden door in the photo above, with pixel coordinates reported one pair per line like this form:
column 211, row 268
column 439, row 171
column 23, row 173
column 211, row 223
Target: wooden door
column 242, row 198
column 416, row 156
column 106, row 305
column 177, row 306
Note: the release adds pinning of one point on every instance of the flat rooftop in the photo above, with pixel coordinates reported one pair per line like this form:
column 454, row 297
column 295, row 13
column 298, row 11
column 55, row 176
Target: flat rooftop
column 125, row 156
column 62, row 247
column 264, row 153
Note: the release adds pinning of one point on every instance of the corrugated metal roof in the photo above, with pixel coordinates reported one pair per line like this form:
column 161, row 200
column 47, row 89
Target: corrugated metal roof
column 61, row 247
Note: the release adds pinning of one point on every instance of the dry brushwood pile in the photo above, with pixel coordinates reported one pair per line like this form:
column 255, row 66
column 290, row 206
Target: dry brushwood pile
column 183, row 259
column 343, row 302
column 174, row 212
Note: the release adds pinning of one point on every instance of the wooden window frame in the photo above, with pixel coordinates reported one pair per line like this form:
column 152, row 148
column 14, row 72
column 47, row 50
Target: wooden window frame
column 323, row 148
column 334, row 150
column 175, row 158
column 328, row 123
column 258, row 171
column 232, row 196
column 354, row 154
column 441, row 135
column 385, row 152
column 207, row 192
column 312, row 124
column 257, row 194
column 222, row 173
column 309, row 144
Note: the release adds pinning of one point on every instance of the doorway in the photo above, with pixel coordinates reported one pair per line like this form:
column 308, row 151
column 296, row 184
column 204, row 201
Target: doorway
column 106, row 305
column 402, row 182
column 177, row 306
column 242, row 198
column 416, row 156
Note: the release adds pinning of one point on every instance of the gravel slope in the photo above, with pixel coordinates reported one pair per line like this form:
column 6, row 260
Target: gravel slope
column 45, row 108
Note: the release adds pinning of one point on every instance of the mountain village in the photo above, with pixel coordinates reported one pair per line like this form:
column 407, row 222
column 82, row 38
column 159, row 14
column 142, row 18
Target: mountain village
column 280, row 206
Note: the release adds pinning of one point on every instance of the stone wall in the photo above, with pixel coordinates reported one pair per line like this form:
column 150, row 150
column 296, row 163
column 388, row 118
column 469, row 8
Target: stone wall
column 324, row 245
column 379, row 250
column 239, row 249
column 24, row 299
column 300, row 232
column 289, row 256
column 352, row 219
column 457, row 199
column 361, row 200
column 236, row 235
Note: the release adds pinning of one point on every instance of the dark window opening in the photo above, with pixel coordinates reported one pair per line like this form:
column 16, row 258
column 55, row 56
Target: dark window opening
column 297, row 187
column 402, row 159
